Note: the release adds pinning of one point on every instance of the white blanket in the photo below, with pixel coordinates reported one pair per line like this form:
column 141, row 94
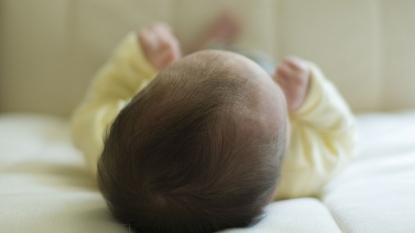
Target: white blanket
column 45, row 186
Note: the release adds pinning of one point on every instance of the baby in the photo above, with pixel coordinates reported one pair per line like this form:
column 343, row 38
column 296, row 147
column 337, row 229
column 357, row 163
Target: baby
column 204, row 142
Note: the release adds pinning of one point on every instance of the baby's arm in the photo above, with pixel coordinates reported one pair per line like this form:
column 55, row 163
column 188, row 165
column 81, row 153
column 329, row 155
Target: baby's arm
column 133, row 66
column 322, row 130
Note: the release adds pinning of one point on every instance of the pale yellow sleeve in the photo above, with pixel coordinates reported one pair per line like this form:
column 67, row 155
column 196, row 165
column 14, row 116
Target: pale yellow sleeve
column 114, row 85
column 322, row 140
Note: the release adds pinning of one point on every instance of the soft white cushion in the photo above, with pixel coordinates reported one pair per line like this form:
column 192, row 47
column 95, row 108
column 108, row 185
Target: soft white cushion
column 45, row 186
column 377, row 192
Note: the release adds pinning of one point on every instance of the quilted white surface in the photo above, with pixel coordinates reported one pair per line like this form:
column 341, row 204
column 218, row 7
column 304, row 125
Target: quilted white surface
column 45, row 187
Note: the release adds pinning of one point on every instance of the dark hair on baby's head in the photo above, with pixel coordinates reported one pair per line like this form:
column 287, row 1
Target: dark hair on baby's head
column 185, row 155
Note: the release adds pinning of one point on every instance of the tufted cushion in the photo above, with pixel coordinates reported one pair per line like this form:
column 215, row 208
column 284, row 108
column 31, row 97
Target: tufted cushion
column 45, row 185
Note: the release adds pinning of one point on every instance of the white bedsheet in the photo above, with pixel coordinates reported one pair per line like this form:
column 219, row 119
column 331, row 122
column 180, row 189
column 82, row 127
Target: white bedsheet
column 45, row 187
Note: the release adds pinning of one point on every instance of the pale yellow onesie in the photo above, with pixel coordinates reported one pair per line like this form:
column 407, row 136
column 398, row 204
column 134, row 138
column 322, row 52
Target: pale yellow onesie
column 322, row 130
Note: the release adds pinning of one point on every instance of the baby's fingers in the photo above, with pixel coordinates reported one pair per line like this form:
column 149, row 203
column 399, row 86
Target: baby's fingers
column 296, row 63
column 284, row 71
column 150, row 41
column 165, row 57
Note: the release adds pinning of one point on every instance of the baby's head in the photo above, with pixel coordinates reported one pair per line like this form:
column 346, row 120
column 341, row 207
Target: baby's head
column 199, row 149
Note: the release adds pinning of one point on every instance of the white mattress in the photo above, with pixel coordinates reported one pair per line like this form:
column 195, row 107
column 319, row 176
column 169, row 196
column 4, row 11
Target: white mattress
column 45, row 187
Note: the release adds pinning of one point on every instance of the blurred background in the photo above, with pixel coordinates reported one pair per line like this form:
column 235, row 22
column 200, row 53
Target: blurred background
column 50, row 50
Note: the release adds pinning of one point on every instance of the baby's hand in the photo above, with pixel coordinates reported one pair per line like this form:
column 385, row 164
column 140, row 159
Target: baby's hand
column 159, row 44
column 293, row 76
